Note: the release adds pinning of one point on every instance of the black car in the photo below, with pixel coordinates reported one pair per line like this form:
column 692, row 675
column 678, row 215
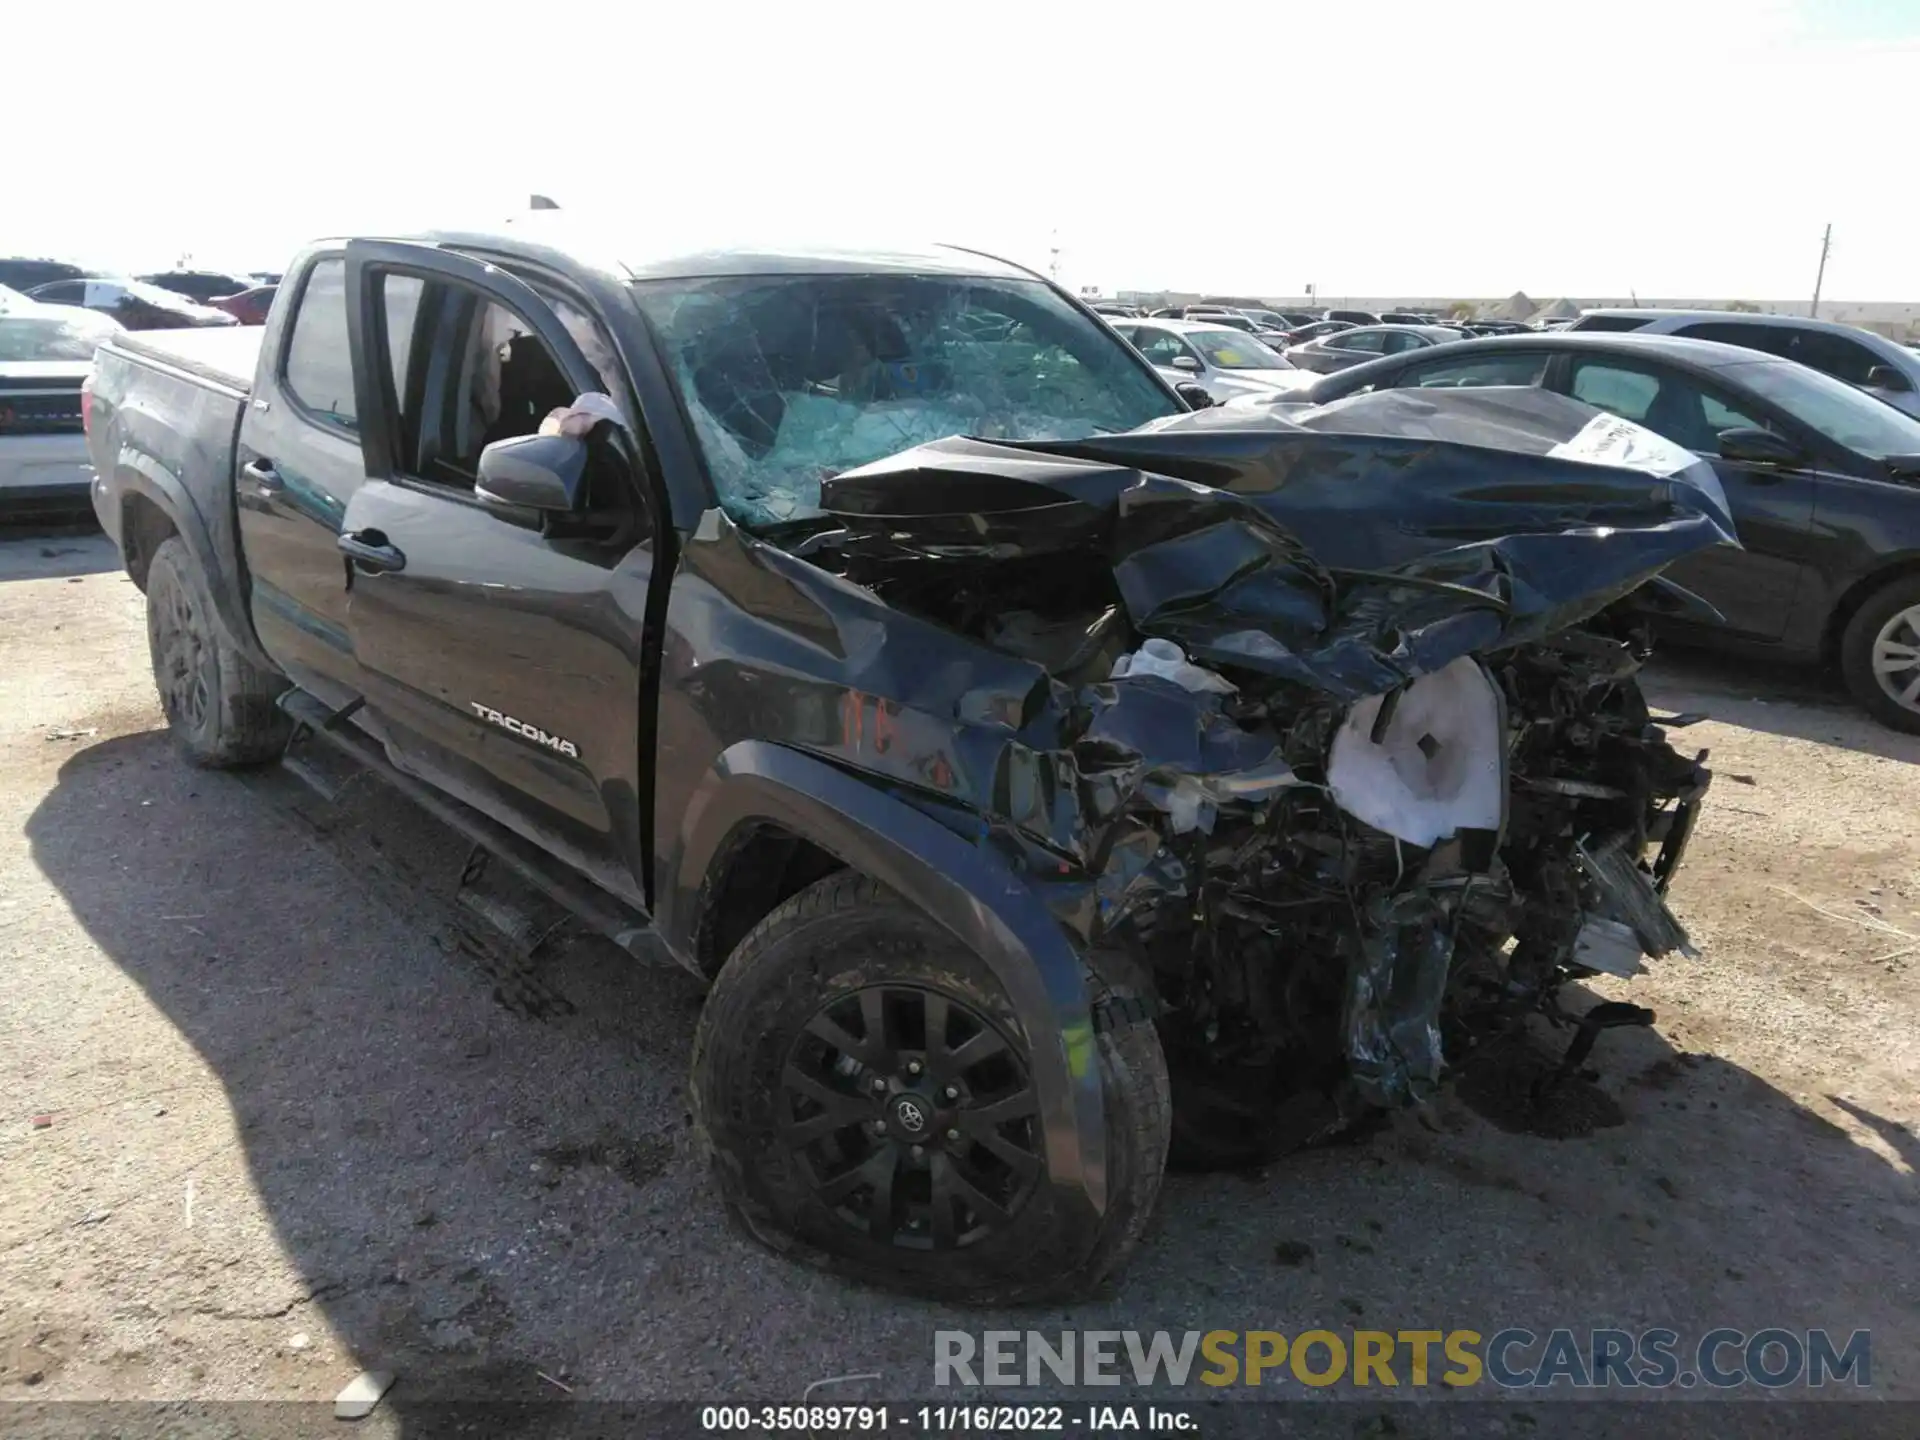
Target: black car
column 1823, row 481
column 201, row 286
column 1314, row 329
column 1352, row 317
column 19, row 273
column 135, row 305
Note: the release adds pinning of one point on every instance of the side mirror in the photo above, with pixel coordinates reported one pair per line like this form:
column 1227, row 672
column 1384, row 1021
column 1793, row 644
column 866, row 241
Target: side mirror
column 1885, row 377
column 1185, row 362
column 1196, row 396
column 1758, row 447
column 547, row 473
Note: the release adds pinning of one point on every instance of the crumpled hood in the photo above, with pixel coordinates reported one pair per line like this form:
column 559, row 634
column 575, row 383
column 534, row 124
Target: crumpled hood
column 1350, row 548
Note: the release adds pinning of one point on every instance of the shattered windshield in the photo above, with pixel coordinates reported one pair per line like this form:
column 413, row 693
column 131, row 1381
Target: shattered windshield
column 1230, row 350
column 791, row 379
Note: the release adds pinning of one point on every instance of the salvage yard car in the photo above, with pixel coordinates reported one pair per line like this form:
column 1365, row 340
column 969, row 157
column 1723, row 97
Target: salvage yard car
column 1044, row 775
column 1362, row 343
column 1223, row 362
column 45, row 353
column 1877, row 365
column 1823, row 482
column 133, row 304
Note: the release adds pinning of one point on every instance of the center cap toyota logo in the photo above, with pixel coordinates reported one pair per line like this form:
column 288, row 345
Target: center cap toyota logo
column 907, row 1111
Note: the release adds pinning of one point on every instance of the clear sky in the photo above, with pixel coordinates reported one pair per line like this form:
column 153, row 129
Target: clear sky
column 1664, row 147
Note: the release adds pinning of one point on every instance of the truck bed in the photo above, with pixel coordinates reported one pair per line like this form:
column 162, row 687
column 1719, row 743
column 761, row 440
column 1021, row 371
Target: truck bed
column 166, row 415
column 226, row 355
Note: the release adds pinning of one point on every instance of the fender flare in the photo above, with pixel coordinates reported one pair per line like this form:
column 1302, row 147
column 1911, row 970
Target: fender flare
column 135, row 472
column 967, row 889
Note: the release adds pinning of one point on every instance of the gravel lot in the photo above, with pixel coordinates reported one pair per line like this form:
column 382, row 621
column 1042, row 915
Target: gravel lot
column 301, row 1125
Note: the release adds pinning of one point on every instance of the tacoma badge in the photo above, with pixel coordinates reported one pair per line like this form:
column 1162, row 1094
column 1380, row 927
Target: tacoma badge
column 521, row 728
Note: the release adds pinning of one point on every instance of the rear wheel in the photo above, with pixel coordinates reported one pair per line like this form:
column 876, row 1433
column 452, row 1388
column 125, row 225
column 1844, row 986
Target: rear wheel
column 218, row 703
column 1880, row 654
column 865, row 1089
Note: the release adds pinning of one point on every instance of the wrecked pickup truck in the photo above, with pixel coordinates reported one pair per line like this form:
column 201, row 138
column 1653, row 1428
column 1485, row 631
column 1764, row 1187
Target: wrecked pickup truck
column 1118, row 777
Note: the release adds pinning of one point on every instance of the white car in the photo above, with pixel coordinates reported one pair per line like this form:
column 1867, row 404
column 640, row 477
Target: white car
column 45, row 354
column 1224, row 362
column 1885, row 369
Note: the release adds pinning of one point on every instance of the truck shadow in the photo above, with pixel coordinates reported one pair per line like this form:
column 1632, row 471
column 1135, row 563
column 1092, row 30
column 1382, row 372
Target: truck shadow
column 500, row 1200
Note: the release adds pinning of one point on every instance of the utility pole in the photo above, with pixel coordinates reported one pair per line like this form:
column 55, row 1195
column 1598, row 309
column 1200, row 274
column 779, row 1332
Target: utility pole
column 1826, row 243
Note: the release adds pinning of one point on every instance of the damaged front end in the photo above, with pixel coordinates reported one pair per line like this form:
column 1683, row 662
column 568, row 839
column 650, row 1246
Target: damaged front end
column 1340, row 743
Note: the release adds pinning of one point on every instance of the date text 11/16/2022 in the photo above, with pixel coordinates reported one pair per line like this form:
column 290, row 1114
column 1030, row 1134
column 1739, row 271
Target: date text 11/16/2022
column 945, row 1419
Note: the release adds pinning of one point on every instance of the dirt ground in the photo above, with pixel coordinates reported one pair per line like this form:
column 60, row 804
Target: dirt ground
column 297, row 1126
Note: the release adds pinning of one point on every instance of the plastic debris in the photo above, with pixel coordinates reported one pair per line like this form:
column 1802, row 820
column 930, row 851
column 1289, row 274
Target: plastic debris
column 1169, row 662
column 362, row 1394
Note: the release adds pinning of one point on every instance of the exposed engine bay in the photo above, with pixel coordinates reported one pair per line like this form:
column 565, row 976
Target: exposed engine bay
column 1339, row 742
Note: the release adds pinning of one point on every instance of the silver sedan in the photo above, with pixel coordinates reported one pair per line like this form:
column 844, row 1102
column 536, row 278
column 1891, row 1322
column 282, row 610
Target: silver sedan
column 1226, row 363
column 1369, row 342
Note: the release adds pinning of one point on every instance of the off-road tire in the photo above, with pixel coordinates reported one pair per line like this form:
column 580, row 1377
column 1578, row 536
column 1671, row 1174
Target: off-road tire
column 841, row 934
column 218, row 703
column 1856, row 653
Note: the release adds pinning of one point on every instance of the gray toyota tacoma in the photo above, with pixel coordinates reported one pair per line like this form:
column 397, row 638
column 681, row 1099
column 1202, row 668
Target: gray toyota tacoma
column 1046, row 775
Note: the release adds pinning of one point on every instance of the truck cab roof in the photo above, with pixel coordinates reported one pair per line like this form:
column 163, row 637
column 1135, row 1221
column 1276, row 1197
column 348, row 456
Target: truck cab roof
column 630, row 254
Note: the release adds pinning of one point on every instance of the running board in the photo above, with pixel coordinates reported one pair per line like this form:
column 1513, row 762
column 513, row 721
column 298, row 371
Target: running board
column 587, row 902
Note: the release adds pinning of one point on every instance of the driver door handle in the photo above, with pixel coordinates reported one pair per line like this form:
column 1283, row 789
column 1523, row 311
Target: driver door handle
column 265, row 478
column 371, row 552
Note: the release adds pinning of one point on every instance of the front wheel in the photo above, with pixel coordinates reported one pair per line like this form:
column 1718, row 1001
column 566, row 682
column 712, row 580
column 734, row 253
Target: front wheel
column 865, row 1090
column 1880, row 655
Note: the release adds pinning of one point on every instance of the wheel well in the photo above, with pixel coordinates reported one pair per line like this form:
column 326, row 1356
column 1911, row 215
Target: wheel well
column 1857, row 595
column 144, row 527
column 759, row 869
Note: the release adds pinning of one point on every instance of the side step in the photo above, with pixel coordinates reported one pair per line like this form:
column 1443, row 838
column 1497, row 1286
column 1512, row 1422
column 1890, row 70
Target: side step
column 591, row 905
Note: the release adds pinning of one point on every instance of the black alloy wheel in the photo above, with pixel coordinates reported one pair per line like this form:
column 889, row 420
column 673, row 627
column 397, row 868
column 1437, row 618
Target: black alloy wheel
column 912, row 1117
column 865, row 1090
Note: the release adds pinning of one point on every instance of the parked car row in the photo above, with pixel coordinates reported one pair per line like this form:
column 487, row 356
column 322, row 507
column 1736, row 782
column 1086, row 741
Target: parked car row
column 169, row 299
column 134, row 304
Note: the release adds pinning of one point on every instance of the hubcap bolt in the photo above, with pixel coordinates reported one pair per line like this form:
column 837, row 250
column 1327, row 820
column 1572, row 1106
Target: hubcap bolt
column 913, row 1067
column 952, row 1092
column 953, row 1134
column 919, row 1152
